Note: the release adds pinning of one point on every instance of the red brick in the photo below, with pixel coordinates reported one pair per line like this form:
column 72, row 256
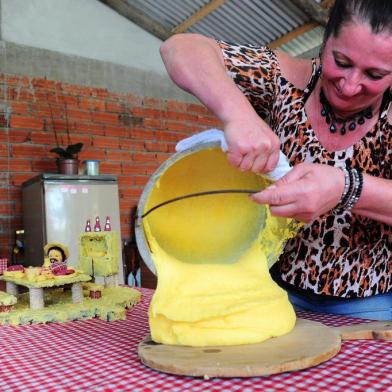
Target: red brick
column 127, row 204
column 68, row 100
column 19, row 136
column 193, row 107
column 12, row 80
column 133, row 168
column 29, row 151
column 170, row 136
column 79, row 114
column 118, row 155
column 7, row 208
column 125, row 181
column 144, row 157
column 134, row 100
column 44, row 95
column 153, row 102
column 45, row 166
column 152, row 123
column 91, row 104
column 58, row 124
column 152, row 168
column 44, row 83
column 15, row 165
column 10, row 194
column 149, row 112
column 161, row 157
column 112, row 130
column 140, row 180
column 110, row 168
column 106, row 118
column 131, row 145
column 141, row 133
column 18, row 179
column 100, row 92
column 156, row 146
column 43, row 138
column 175, row 126
column 130, row 192
column 115, row 107
column 4, row 150
column 106, row 142
column 92, row 154
column 25, row 94
column 20, row 107
column 42, row 109
column 206, row 120
column 11, row 94
column 26, row 122
column 76, row 138
column 177, row 106
column 92, row 129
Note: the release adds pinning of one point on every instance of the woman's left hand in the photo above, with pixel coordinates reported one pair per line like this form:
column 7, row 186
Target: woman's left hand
column 305, row 193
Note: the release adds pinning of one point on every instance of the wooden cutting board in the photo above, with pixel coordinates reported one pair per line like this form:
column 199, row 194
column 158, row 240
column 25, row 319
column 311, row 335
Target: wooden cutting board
column 308, row 344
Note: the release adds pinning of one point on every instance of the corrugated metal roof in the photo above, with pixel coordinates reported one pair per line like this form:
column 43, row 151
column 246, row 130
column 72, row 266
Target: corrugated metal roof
column 308, row 41
column 241, row 21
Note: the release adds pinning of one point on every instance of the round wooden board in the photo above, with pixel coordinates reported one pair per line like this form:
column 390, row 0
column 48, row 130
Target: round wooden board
column 308, row 344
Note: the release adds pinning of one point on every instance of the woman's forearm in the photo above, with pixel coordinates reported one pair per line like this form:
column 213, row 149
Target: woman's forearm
column 195, row 64
column 376, row 199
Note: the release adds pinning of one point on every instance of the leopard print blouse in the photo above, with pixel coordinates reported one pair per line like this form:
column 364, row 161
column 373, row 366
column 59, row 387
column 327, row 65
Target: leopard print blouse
column 344, row 255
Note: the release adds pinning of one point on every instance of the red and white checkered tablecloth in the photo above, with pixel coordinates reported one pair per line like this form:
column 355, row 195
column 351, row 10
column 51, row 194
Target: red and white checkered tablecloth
column 94, row 355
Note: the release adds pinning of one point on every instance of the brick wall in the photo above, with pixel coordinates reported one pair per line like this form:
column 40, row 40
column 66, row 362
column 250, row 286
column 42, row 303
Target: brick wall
column 130, row 135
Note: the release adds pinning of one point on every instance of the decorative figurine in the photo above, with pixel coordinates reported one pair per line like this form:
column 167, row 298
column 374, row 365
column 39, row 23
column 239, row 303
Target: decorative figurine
column 56, row 258
column 108, row 226
column 88, row 226
column 97, row 226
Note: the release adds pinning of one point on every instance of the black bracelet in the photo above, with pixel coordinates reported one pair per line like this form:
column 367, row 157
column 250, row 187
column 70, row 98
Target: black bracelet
column 347, row 192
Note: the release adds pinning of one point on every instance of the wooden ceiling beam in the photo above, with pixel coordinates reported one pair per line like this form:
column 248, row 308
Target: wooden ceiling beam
column 314, row 10
column 327, row 3
column 138, row 17
column 200, row 14
column 292, row 34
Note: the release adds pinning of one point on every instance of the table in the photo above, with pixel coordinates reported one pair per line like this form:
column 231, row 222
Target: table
column 36, row 289
column 94, row 355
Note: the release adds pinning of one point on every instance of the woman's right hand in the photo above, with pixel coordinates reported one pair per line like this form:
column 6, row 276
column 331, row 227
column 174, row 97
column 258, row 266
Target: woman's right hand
column 195, row 63
column 252, row 145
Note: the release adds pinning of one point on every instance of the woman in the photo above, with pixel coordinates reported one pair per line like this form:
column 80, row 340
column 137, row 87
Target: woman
column 332, row 117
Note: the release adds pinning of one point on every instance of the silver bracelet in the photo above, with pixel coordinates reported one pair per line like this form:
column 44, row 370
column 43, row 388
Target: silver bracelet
column 347, row 192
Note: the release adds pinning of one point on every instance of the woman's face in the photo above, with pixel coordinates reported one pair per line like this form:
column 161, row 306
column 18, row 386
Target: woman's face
column 357, row 67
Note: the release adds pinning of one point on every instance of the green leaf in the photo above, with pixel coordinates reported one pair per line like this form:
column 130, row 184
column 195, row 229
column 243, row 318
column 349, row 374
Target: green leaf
column 59, row 151
column 74, row 149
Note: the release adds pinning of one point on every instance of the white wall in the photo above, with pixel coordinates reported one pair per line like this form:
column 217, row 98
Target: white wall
column 84, row 28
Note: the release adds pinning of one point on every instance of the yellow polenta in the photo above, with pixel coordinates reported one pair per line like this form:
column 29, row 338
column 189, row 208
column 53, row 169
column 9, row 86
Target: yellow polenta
column 212, row 255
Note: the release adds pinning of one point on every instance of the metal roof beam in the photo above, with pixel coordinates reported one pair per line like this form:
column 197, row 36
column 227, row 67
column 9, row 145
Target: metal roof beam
column 138, row 17
column 200, row 14
column 314, row 10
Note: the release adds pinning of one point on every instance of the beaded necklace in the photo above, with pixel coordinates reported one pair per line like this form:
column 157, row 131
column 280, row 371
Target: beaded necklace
column 344, row 124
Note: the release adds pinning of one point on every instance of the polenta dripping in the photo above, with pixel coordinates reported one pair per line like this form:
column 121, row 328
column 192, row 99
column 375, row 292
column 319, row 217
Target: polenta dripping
column 212, row 256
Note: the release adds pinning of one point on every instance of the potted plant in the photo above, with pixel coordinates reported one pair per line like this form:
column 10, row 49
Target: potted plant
column 67, row 160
